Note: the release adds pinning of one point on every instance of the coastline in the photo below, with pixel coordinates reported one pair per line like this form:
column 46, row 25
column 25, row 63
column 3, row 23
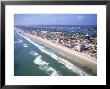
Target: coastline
column 71, row 55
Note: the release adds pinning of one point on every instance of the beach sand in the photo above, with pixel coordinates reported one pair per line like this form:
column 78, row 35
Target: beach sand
column 82, row 59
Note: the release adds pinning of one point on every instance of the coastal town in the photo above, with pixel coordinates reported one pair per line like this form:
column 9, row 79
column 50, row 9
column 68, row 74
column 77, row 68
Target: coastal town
column 83, row 40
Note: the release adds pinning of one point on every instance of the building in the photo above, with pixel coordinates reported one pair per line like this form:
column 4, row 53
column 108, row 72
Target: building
column 87, row 36
column 58, row 40
column 80, row 47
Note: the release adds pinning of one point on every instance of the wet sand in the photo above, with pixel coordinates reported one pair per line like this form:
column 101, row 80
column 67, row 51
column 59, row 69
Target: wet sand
column 82, row 59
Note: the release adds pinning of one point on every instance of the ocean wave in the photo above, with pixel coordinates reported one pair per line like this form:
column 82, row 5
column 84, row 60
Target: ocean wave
column 34, row 53
column 52, row 72
column 38, row 60
column 68, row 64
column 20, row 41
column 25, row 45
column 45, row 66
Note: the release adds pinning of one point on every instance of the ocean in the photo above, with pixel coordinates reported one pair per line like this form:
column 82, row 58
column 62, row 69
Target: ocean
column 33, row 59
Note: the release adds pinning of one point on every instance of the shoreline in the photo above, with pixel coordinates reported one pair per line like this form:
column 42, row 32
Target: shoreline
column 71, row 55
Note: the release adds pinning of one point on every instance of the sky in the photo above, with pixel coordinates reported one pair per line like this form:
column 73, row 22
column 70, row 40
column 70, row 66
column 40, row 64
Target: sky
column 55, row 19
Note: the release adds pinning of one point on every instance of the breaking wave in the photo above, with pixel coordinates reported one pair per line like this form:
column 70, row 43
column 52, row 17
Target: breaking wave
column 63, row 61
column 25, row 45
column 68, row 64
column 34, row 53
column 45, row 66
column 19, row 41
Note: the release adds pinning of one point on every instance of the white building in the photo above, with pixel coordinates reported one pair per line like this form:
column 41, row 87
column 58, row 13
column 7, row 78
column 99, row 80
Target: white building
column 58, row 40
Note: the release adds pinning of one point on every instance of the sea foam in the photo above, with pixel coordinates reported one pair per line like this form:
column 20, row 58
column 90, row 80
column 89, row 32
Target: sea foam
column 63, row 61
column 25, row 45
column 68, row 64
column 45, row 66
column 34, row 53
column 42, row 64
column 20, row 41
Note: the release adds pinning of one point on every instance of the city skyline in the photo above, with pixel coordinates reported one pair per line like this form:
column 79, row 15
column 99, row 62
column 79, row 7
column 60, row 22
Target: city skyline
column 55, row 19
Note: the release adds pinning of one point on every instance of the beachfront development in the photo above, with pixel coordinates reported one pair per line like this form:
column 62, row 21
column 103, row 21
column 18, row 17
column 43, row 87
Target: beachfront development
column 78, row 44
column 55, row 44
column 74, row 40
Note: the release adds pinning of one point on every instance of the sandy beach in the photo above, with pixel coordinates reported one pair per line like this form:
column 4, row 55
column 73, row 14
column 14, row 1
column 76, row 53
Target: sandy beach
column 73, row 56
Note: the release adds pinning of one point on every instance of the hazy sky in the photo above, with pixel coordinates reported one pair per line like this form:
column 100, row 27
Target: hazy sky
column 55, row 19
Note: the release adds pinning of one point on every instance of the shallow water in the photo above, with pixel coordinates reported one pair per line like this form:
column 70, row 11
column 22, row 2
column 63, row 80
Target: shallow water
column 33, row 59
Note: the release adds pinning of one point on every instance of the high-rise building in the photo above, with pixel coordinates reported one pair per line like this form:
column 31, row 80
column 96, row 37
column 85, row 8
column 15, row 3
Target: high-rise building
column 80, row 47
